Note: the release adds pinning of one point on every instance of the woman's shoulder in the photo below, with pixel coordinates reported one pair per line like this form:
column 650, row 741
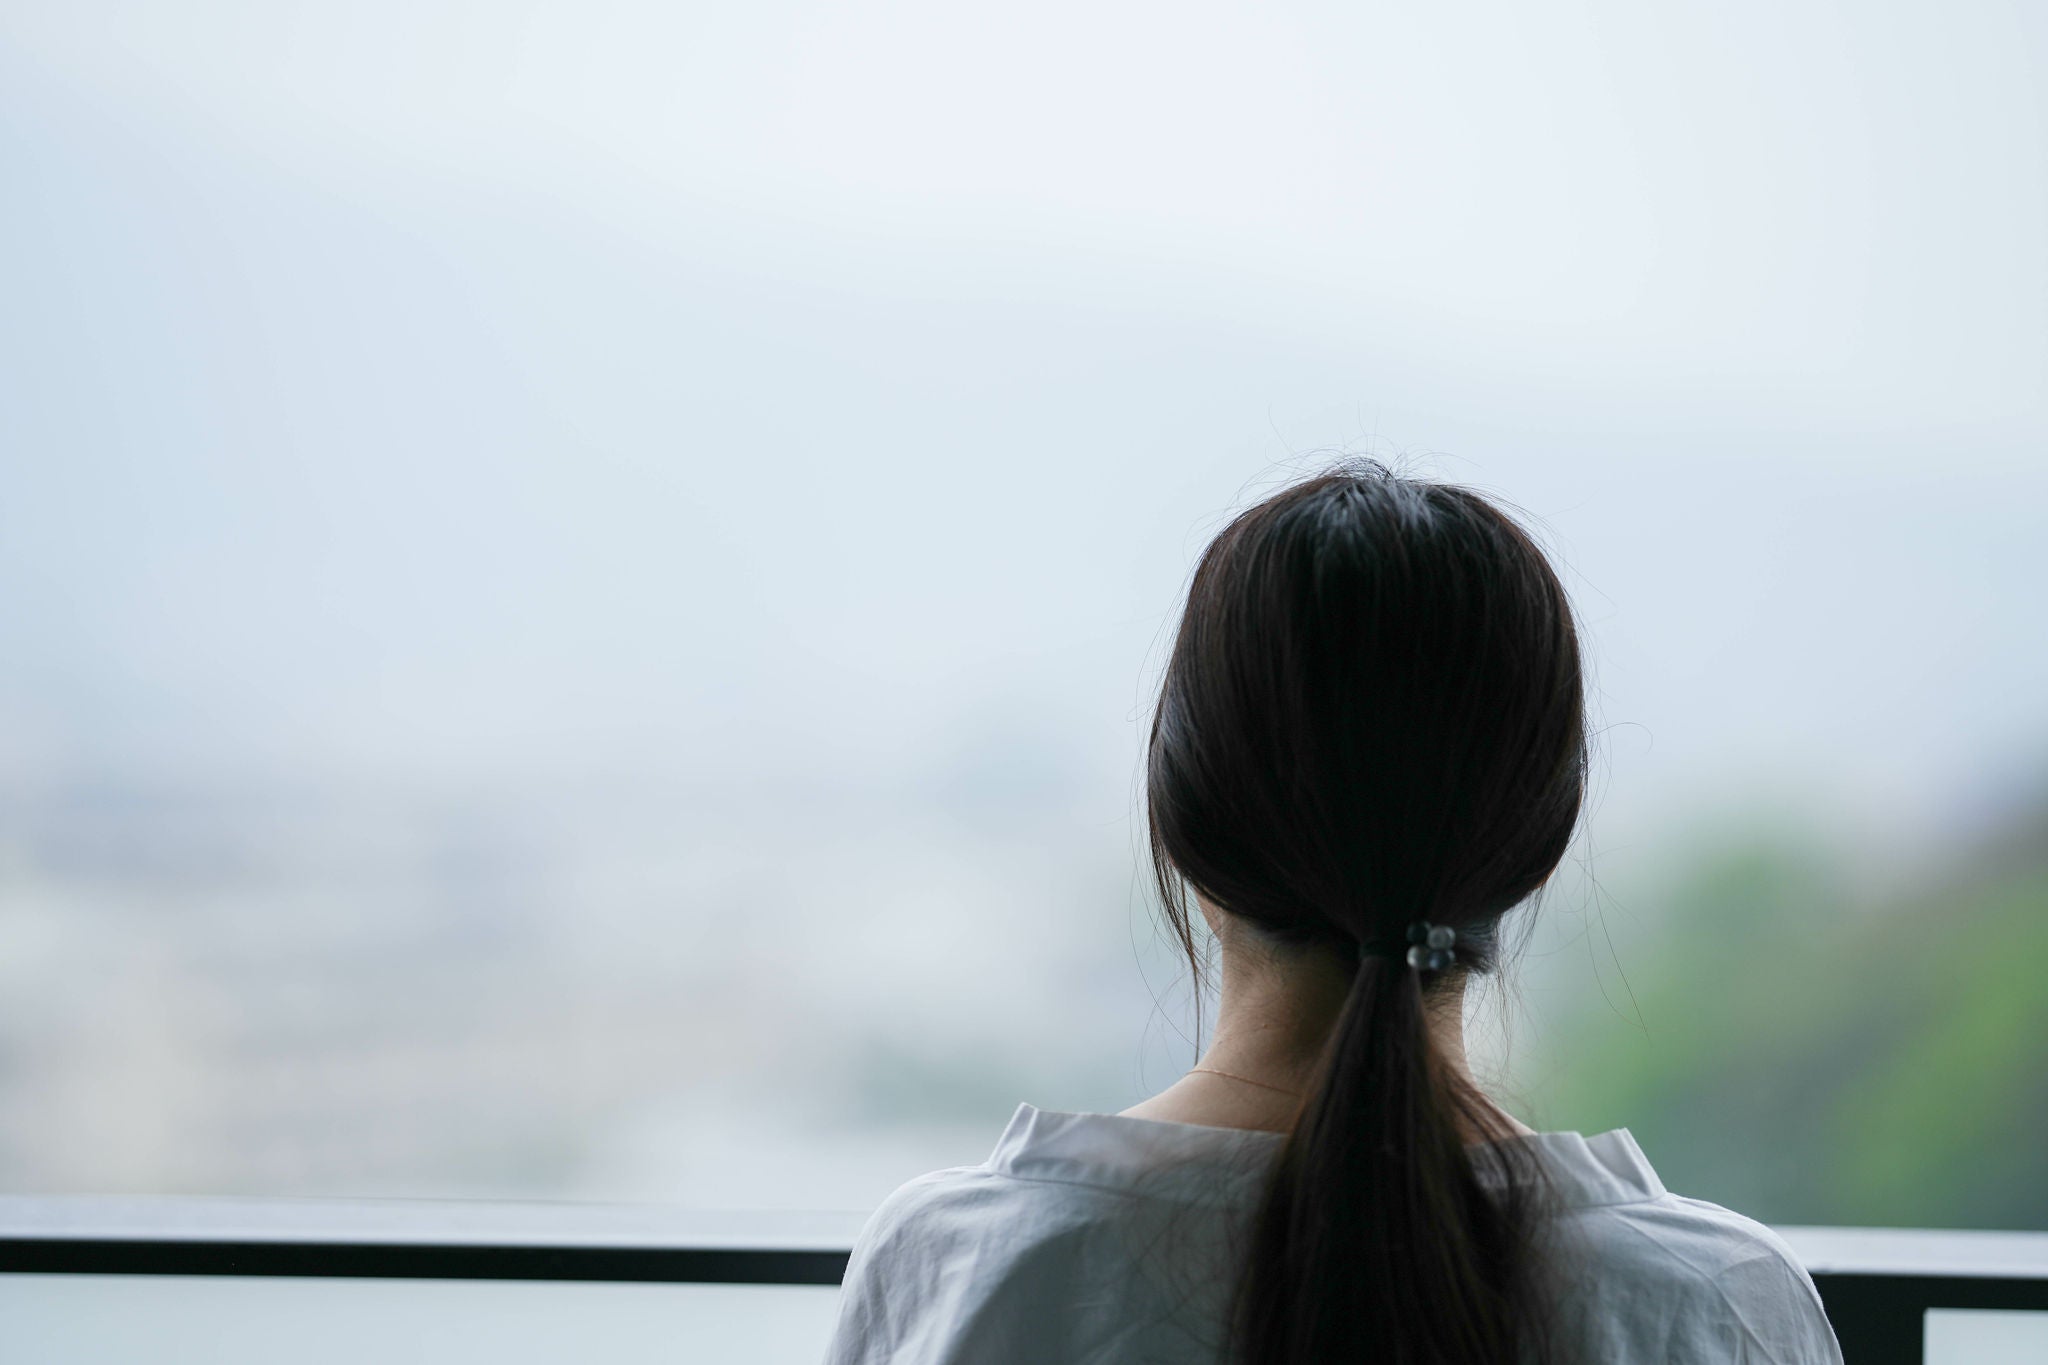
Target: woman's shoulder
column 1079, row 1230
column 1612, row 1203
column 1057, row 1164
column 924, row 1203
column 1647, row 1274
column 965, row 1203
column 1679, row 1269
column 972, row 1263
column 1693, row 1237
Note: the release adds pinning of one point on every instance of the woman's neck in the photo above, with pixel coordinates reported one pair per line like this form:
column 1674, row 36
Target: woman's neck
column 1274, row 1014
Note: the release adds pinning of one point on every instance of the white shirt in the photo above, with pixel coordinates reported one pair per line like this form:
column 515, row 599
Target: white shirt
column 1094, row 1239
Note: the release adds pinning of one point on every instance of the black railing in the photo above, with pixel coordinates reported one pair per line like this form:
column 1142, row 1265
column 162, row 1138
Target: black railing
column 420, row 1261
column 1878, row 1285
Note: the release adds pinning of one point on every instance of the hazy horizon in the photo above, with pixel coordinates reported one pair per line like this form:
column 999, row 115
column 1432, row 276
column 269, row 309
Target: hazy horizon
column 634, row 486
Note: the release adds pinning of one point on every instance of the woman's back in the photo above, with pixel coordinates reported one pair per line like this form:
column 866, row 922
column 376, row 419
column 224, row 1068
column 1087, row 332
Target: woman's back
column 1114, row 1241
column 1370, row 747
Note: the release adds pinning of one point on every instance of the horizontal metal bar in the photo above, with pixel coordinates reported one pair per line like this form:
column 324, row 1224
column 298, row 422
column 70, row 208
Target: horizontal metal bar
column 413, row 1260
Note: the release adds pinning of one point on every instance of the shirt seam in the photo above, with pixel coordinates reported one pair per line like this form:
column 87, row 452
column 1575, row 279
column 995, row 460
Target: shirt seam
column 1620, row 1203
column 1125, row 1191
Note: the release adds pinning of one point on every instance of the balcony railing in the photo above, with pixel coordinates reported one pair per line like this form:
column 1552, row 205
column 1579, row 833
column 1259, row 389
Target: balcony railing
column 228, row 1281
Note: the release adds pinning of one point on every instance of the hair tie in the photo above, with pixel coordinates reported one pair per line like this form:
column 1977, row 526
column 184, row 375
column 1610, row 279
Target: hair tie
column 1433, row 946
column 1427, row 948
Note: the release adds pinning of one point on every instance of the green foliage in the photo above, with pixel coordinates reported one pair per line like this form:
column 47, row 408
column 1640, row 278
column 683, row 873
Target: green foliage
column 1810, row 1058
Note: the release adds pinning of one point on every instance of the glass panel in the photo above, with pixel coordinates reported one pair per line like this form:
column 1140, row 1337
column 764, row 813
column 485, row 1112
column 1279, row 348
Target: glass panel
column 1977, row 1336
column 244, row 1320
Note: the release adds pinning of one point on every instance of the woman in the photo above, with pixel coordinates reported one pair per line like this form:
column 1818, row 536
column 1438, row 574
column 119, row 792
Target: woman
column 1369, row 746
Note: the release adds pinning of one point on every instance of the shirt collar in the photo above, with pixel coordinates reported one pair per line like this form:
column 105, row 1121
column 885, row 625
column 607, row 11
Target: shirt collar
column 1186, row 1160
column 1135, row 1155
column 1587, row 1172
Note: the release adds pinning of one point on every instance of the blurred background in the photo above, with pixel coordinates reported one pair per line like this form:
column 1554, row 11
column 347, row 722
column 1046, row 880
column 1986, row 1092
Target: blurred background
column 579, row 583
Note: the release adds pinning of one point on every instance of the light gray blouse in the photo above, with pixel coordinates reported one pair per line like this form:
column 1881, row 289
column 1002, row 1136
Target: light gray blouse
column 1094, row 1239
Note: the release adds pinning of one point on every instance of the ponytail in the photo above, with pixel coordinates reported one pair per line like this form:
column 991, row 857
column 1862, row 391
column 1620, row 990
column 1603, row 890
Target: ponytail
column 1376, row 1238
column 1374, row 711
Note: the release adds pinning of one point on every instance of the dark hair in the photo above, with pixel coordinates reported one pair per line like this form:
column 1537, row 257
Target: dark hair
column 1373, row 715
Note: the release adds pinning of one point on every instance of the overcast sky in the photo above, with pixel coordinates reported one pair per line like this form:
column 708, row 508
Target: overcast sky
column 415, row 392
